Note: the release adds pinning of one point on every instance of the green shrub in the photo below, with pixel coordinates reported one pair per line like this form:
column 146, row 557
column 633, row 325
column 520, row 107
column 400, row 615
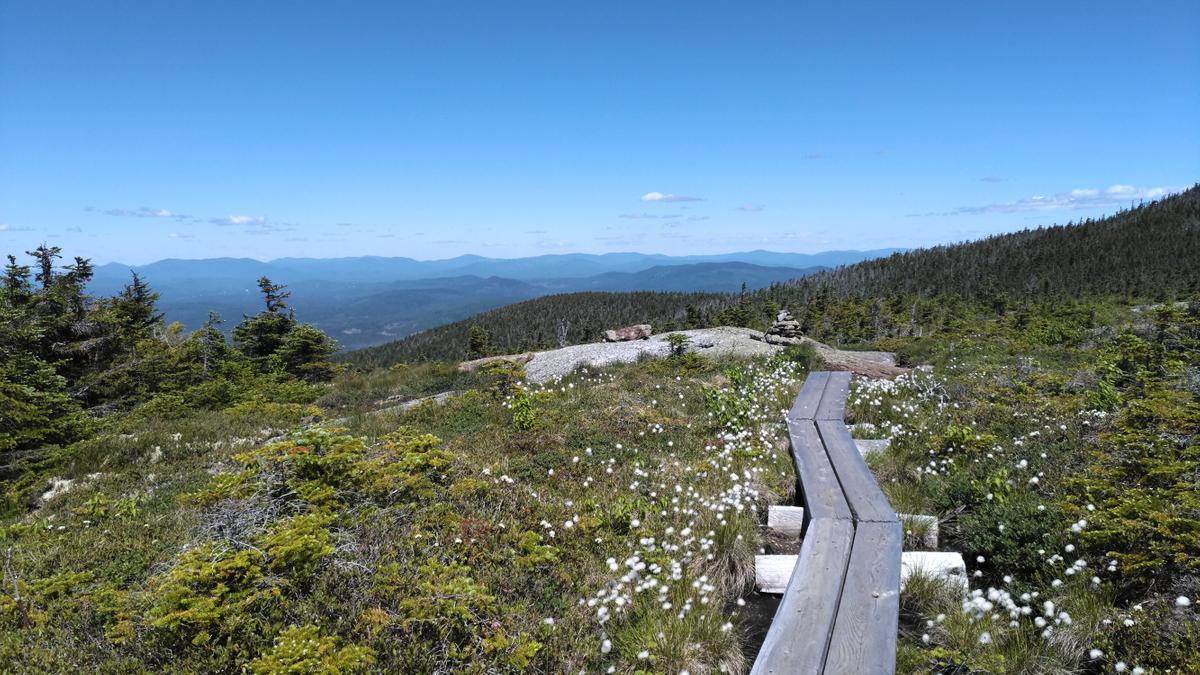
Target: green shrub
column 163, row 407
column 212, row 592
column 679, row 343
column 302, row 649
column 805, row 354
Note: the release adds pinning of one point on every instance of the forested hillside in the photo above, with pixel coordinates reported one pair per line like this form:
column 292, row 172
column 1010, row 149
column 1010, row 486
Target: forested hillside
column 355, row 300
column 540, row 323
column 1146, row 253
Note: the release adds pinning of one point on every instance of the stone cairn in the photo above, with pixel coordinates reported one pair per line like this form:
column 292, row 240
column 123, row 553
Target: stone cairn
column 785, row 330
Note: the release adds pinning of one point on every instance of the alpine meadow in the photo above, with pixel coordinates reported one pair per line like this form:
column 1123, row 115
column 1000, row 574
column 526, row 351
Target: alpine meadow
column 668, row 339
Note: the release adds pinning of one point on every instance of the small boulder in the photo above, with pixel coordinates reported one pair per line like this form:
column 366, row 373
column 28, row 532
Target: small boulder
column 639, row 332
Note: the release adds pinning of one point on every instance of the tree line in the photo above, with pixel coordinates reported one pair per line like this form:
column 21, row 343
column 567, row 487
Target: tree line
column 1144, row 253
column 68, row 360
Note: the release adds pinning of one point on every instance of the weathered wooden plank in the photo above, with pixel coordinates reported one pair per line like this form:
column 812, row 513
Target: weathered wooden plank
column 819, row 488
column 785, row 521
column 866, row 500
column 840, row 606
column 805, row 407
column 833, row 400
column 864, row 633
column 798, row 639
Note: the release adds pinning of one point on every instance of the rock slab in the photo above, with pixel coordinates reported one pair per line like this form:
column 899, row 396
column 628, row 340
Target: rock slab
column 640, row 331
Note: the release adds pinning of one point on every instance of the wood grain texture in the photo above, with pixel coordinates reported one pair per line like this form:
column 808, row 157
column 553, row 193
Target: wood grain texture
column 772, row 573
column 798, row 639
column 864, row 633
column 809, row 398
column 866, row 500
column 819, row 487
column 833, row 400
column 839, row 612
column 785, row 521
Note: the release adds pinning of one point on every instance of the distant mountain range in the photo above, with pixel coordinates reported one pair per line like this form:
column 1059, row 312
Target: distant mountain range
column 1147, row 253
column 370, row 300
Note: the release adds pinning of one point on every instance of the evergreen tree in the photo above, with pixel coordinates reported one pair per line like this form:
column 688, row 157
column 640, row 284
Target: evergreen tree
column 479, row 343
column 16, row 282
column 273, row 295
column 35, row 409
column 45, row 257
column 305, row 353
column 135, row 308
column 210, row 342
column 262, row 335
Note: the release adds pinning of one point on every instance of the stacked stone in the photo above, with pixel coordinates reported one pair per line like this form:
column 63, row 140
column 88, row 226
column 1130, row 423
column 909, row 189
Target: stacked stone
column 785, row 330
column 786, row 325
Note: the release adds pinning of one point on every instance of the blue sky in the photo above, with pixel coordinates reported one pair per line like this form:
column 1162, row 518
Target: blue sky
column 134, row 131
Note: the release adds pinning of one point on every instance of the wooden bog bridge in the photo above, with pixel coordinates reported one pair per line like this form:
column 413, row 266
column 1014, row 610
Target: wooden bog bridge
column 840, row 610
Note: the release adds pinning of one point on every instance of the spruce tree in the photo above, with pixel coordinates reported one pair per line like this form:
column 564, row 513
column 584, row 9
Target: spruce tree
column 136, row 309
column 261, row 335
column 305, row 353
column 479, row 343
column 45, row 257
column 16, row 282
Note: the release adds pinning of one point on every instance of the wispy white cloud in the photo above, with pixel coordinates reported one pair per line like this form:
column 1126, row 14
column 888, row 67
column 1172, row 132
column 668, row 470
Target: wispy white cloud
column 814, row 156
column 239, row 220
column 259, row 226
column 668, row 197
column 992, row 179
column 1079, row 198
column 5, row 227
column 751, row 208
column 653, row 216
column 140, row 212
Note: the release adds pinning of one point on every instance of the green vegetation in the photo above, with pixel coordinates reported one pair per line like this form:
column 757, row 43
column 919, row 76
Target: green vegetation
column 1062, row 462
column 183, row 503
column 180, row 506
column 509, row 528
column 77, row 370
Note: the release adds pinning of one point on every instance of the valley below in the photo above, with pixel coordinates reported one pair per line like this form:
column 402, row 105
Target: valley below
column 363, row 302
